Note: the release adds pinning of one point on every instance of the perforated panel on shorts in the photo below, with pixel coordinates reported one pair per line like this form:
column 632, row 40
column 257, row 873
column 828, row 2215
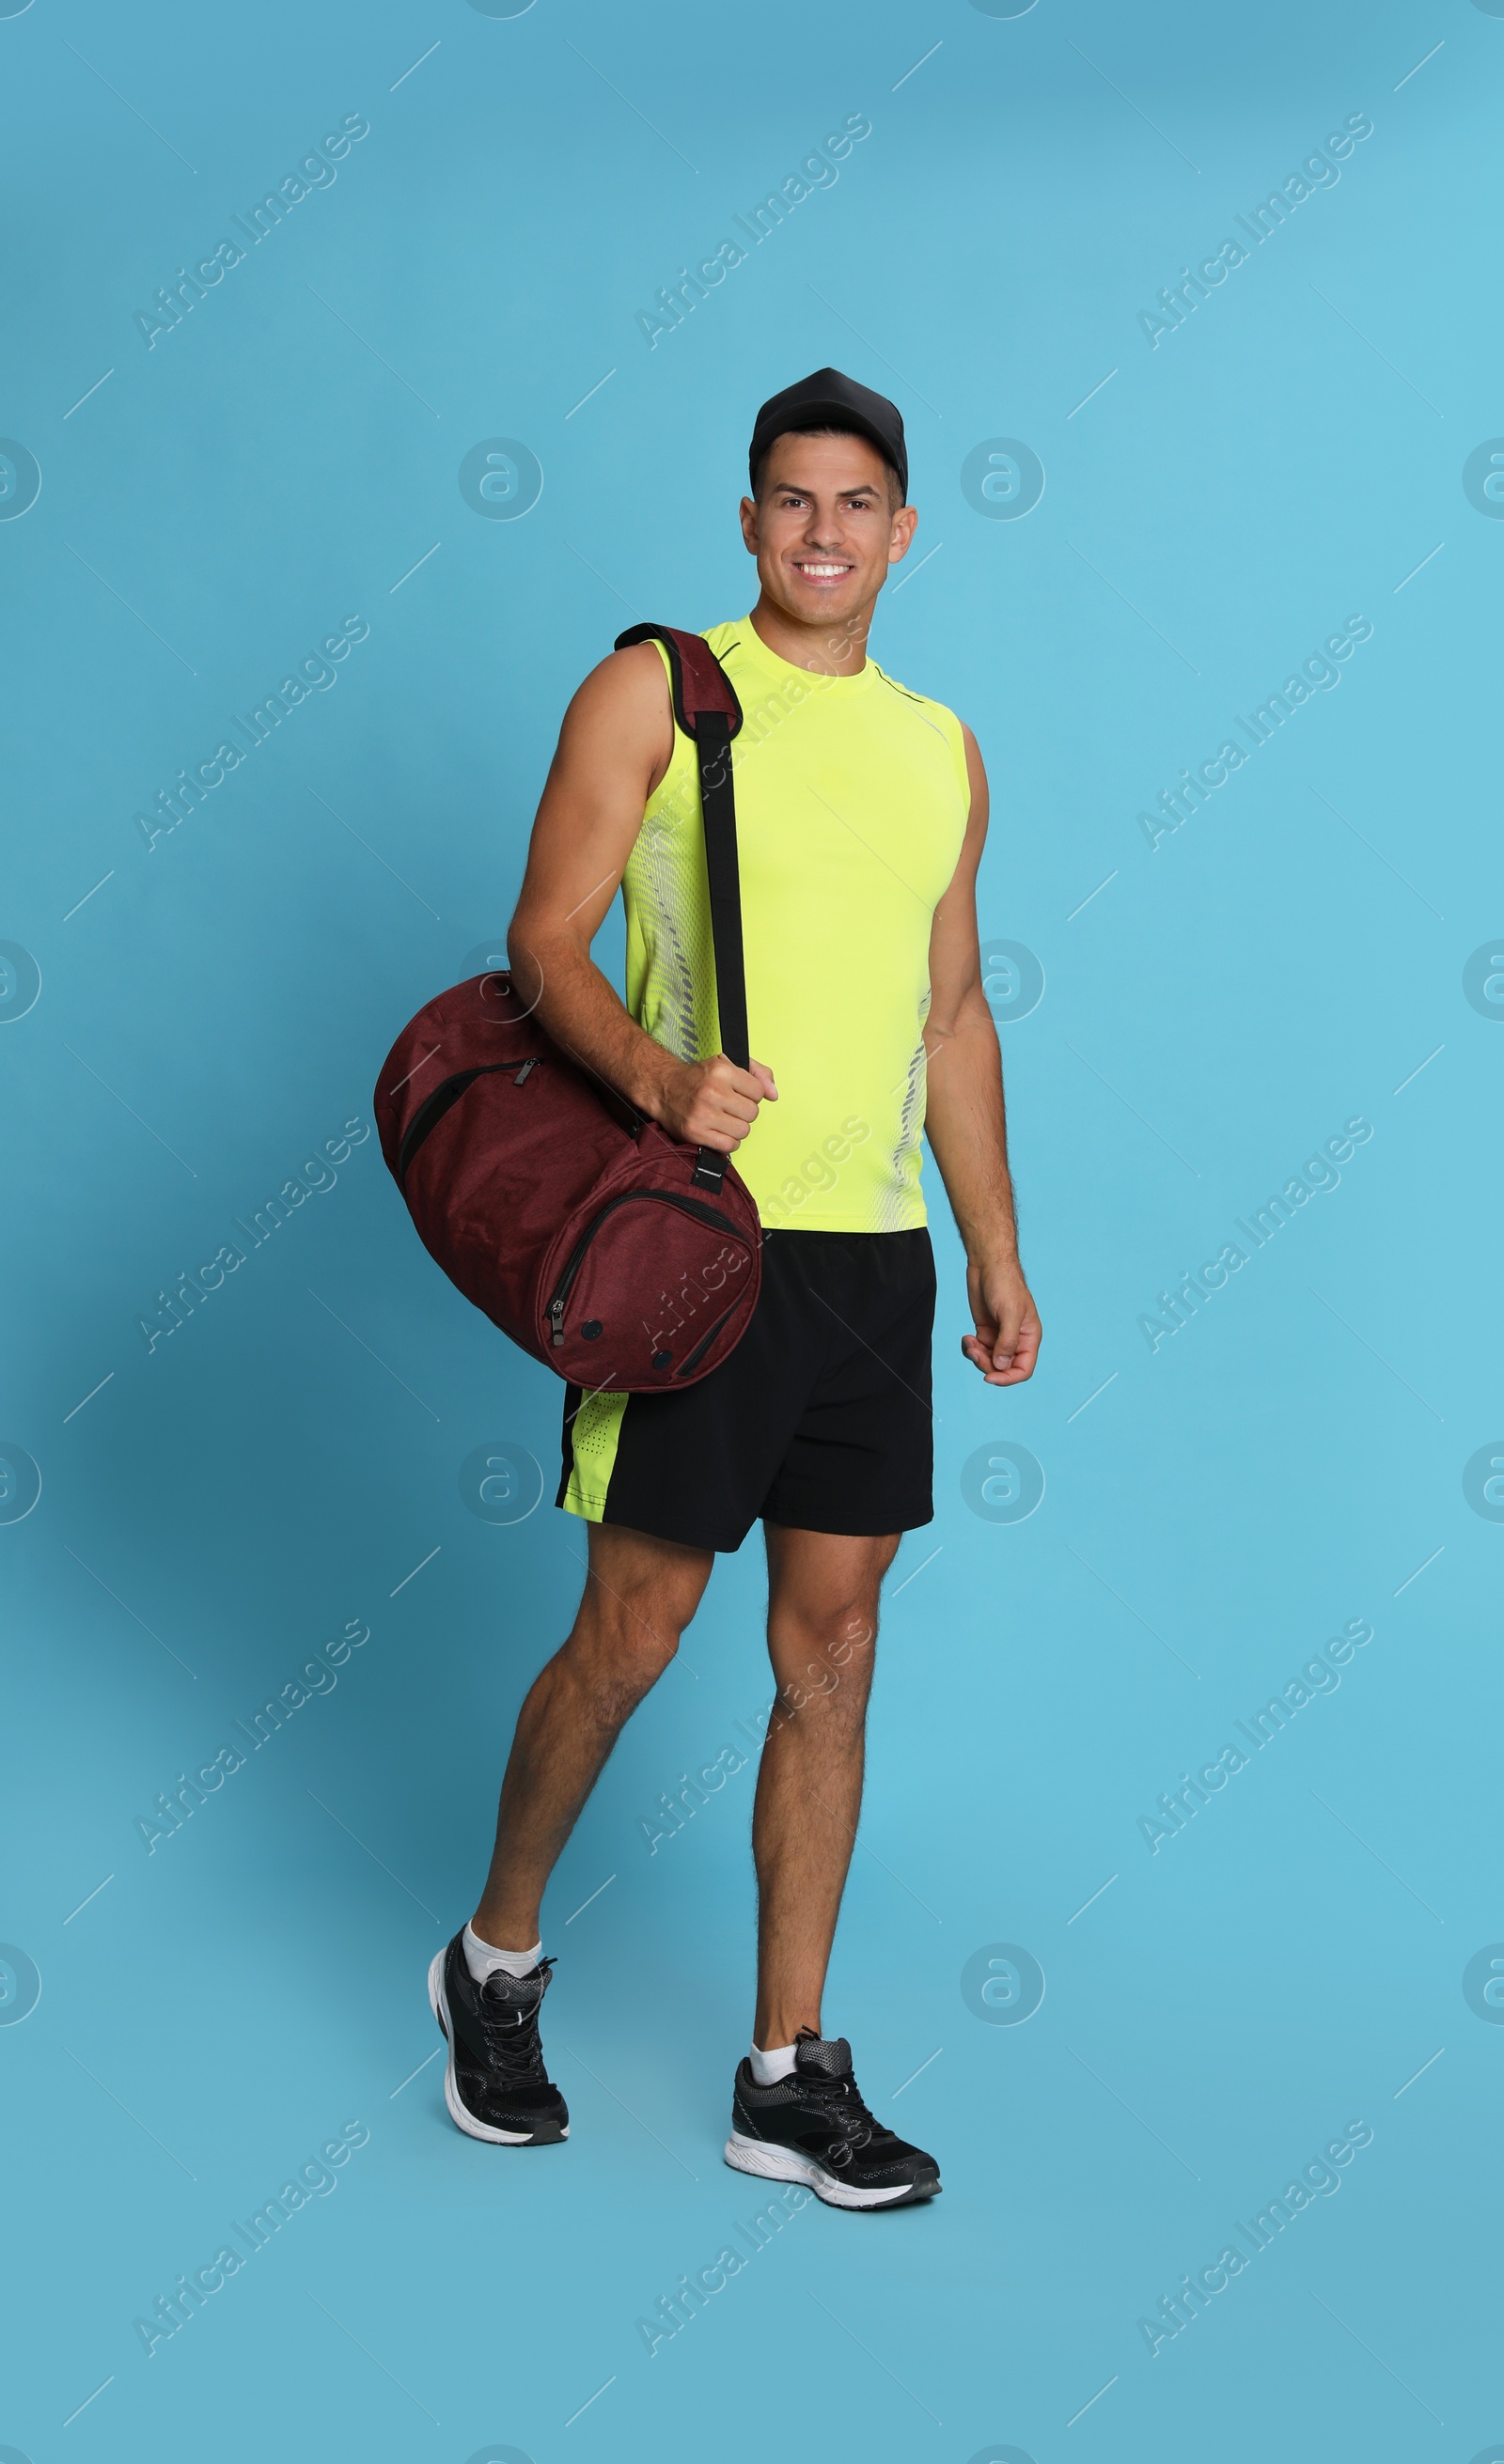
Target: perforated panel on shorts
column 597, row 1427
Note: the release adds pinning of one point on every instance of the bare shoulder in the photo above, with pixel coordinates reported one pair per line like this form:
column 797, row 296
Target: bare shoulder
column 627, row 687
column 622, row 718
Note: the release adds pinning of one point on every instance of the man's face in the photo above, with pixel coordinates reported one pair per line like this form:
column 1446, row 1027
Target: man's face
column 823, row 529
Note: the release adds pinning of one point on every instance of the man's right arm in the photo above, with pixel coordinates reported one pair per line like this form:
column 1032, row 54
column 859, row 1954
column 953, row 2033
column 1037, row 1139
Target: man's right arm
column 614, row 749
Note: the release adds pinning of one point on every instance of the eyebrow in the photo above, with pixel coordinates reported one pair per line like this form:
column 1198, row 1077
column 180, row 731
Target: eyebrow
column 796, row 488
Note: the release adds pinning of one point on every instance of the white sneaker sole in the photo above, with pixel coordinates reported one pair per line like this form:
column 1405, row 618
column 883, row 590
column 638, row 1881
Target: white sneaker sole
column 459, row 2112
column 783, row 2164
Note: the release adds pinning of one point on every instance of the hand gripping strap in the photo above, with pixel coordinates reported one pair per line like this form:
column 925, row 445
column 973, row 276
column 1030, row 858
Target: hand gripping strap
column 706, row 708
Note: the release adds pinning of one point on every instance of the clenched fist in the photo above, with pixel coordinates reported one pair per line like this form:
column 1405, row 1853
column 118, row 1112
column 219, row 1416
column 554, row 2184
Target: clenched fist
column 713, row 1103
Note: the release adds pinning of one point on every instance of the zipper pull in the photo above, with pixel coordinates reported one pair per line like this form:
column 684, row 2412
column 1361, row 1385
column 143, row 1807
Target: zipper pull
column 556, row 1310
column 521, row 1074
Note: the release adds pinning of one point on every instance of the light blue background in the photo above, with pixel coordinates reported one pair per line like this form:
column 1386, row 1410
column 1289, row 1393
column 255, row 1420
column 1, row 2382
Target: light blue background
column 219, row 1005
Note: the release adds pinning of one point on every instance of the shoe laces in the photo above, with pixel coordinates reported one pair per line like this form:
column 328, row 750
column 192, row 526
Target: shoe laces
column 841, row 2100
column 511, row 2030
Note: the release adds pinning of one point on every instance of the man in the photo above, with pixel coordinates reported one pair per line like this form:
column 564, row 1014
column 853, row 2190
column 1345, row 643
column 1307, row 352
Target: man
column 861, row 812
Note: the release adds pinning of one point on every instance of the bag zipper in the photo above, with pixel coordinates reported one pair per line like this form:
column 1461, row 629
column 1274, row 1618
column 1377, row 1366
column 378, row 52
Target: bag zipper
column 670, row 1197
column 447, row 1093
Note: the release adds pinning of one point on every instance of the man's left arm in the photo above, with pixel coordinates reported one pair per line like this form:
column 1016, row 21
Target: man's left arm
column 964, row 1119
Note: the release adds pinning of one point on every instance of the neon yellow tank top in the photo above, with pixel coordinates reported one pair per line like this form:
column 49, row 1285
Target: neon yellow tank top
column 851, row 805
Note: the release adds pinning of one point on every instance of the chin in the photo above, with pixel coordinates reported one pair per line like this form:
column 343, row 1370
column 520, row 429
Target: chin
column 813, row 598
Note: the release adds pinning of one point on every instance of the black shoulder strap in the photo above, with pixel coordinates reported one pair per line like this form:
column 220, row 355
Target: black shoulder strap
column 706, row 708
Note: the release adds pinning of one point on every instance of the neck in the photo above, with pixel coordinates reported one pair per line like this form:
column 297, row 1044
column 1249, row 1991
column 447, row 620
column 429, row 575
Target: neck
column 837, row 647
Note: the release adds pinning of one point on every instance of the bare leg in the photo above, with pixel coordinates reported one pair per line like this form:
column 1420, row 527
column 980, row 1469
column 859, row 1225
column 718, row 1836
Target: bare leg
column 822, row 1628
column 639, row 1595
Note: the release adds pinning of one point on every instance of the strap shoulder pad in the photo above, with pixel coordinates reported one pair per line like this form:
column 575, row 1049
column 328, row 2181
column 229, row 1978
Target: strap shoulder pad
column 699, row 682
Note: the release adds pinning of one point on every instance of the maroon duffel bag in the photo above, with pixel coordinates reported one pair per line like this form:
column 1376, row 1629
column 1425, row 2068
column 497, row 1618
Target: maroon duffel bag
column 624, row 1260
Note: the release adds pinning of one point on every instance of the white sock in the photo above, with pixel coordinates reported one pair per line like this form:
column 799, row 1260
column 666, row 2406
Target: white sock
column 482, row 1957
column 773, row 2065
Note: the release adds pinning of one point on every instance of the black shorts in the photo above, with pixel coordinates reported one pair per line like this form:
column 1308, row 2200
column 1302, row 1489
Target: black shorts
column 819, row 1419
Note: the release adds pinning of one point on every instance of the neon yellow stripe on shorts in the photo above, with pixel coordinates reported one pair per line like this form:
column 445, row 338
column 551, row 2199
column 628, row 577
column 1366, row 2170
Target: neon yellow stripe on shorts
column 593, row 1436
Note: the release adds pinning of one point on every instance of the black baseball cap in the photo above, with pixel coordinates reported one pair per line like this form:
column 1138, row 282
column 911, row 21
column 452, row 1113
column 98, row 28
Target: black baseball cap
column 827, row 399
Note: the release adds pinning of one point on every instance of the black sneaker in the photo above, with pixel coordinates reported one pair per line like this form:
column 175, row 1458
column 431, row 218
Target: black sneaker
column 495, row 2084
column 813, row 2127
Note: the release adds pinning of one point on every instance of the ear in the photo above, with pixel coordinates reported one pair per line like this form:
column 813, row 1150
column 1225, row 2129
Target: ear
column 905, row 523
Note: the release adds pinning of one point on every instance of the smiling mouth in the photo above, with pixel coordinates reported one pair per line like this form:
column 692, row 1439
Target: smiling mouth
column 821, row 569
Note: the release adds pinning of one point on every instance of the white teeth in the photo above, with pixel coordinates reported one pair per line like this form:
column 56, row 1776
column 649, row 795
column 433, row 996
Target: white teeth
column 825, row 572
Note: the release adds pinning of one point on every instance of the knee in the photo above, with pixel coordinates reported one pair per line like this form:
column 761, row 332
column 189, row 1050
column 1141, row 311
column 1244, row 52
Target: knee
column 830, row 1661
column 842, row 1631
column 620, row 1655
